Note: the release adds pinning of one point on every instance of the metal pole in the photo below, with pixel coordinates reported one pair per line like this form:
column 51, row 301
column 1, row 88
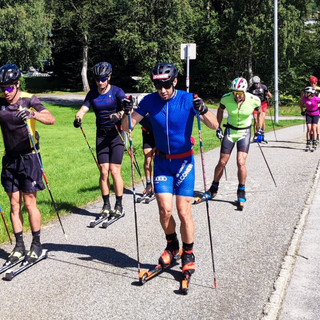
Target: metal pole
column 276, row 91
column 188, row 67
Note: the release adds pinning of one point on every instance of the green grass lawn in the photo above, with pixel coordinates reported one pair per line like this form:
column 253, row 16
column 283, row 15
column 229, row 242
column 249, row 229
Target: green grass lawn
column 71, row 171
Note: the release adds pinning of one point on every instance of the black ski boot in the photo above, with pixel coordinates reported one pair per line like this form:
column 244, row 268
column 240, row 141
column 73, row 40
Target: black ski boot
column 308, row 145
column 241, row 193
column 17, row 254
column 188, row 268
column 118, row 210
column 106, row 210
column 314, row 144
column 34, row 253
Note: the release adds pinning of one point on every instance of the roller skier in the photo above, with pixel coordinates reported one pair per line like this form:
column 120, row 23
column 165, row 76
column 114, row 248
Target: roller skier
column 240, row 105
column 172, row 114
column 21, row 175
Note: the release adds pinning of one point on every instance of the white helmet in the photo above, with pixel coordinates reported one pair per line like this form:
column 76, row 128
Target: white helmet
column 239, row 84
column 310, row 90
column 256, row 79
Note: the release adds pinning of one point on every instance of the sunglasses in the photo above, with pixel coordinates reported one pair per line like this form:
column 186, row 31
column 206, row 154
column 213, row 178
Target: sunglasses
column 160, row 85
column 9, row 89
column 240, row 93
column 104, row 79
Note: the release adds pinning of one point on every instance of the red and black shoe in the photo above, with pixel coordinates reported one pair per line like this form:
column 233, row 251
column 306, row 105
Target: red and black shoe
column 188, row 268
column 168, row 257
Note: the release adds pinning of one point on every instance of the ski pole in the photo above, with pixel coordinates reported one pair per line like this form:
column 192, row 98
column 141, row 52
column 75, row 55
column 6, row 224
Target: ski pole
column 274, row 131
column 136, row 165
column 225, row 168
column 267, row 164
column 5, row 224
column 85, row 137
column 134, row 191
column 45, row 177
column 205, row 190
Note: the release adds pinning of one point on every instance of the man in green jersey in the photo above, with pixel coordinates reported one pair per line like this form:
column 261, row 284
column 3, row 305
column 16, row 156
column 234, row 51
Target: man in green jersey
column 240, row 105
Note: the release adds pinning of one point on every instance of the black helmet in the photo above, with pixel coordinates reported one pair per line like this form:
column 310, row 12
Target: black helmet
column 102, row 69
column 164, row 72
column 9, row 73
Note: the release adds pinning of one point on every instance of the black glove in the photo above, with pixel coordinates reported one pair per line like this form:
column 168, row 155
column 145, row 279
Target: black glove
column 219, row 133
column 114, row 118
column 26, row 114
column 77, row 122
column 127, row 104
column 199, row 105
column 303, row 113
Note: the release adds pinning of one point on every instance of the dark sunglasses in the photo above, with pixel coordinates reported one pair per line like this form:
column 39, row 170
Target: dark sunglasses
column 104, row 79
column 9, row 89
column 160, row 85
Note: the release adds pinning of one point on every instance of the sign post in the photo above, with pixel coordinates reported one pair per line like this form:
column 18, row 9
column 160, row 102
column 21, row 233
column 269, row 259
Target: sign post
column 188, row 52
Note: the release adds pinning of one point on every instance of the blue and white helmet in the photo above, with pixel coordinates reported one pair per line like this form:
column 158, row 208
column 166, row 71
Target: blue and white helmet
column 239, row 84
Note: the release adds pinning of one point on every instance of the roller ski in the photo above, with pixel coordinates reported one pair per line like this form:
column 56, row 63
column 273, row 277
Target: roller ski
column 15, row 257
column 35, row 255
column 114, row 216
column 167, row 260
column 188, row 268
column 147, row 195
column 241, row 198
column 208, row 195
column 308, row 146
column 104, row 214
column 148, row 199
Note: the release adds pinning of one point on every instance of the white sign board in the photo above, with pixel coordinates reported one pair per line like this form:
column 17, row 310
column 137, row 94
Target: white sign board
column 188, row 49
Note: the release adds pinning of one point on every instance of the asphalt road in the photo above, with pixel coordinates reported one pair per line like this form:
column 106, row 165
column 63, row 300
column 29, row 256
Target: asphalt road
column 94, row 274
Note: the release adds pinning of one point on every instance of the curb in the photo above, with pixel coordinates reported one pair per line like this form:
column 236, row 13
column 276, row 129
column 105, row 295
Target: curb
column 273, row 306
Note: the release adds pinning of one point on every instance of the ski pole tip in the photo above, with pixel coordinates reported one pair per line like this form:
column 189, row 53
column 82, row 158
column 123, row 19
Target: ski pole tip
column 215, row 284
column 66, row 236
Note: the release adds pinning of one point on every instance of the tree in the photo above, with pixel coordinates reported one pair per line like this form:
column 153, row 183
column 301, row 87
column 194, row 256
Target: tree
column 25, row 29
column 150, row 32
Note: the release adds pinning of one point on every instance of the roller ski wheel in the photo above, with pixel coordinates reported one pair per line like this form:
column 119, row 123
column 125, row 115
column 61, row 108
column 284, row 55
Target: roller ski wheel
column 113, row 217
column 145, row 275
column 149, row 198
column 241, row 198
column 140, row 199
column 188, row 268
column 185, row 283
column 240, row 205
column 104, row 214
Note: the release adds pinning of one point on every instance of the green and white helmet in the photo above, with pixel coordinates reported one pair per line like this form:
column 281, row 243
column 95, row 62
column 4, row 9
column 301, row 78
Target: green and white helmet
column 239, row 84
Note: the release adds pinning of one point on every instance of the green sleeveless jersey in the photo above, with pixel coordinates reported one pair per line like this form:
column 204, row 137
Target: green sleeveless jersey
column 242, row 117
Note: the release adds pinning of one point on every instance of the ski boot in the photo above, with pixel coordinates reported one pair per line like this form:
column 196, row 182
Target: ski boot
column 103, row 215
column 241, row 197
column 188, row 268
column 149, row 196
column 34, row 253
column 147, row 192
column 167, row 259
column 314, row 145
column 16, row 255
column 117, row 211
column 210, row 194
column 308, row 145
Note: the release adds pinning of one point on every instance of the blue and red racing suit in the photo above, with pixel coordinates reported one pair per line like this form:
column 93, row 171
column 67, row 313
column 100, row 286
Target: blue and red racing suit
column 172, row 123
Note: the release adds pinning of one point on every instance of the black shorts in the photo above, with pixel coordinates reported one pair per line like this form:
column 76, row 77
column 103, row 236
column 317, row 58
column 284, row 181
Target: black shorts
column 21, row 173
column 148, row 140
column 110, row 147
column 312, row 119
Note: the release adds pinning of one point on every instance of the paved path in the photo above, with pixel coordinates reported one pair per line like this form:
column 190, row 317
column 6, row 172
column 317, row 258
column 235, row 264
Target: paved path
column 94, row 274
